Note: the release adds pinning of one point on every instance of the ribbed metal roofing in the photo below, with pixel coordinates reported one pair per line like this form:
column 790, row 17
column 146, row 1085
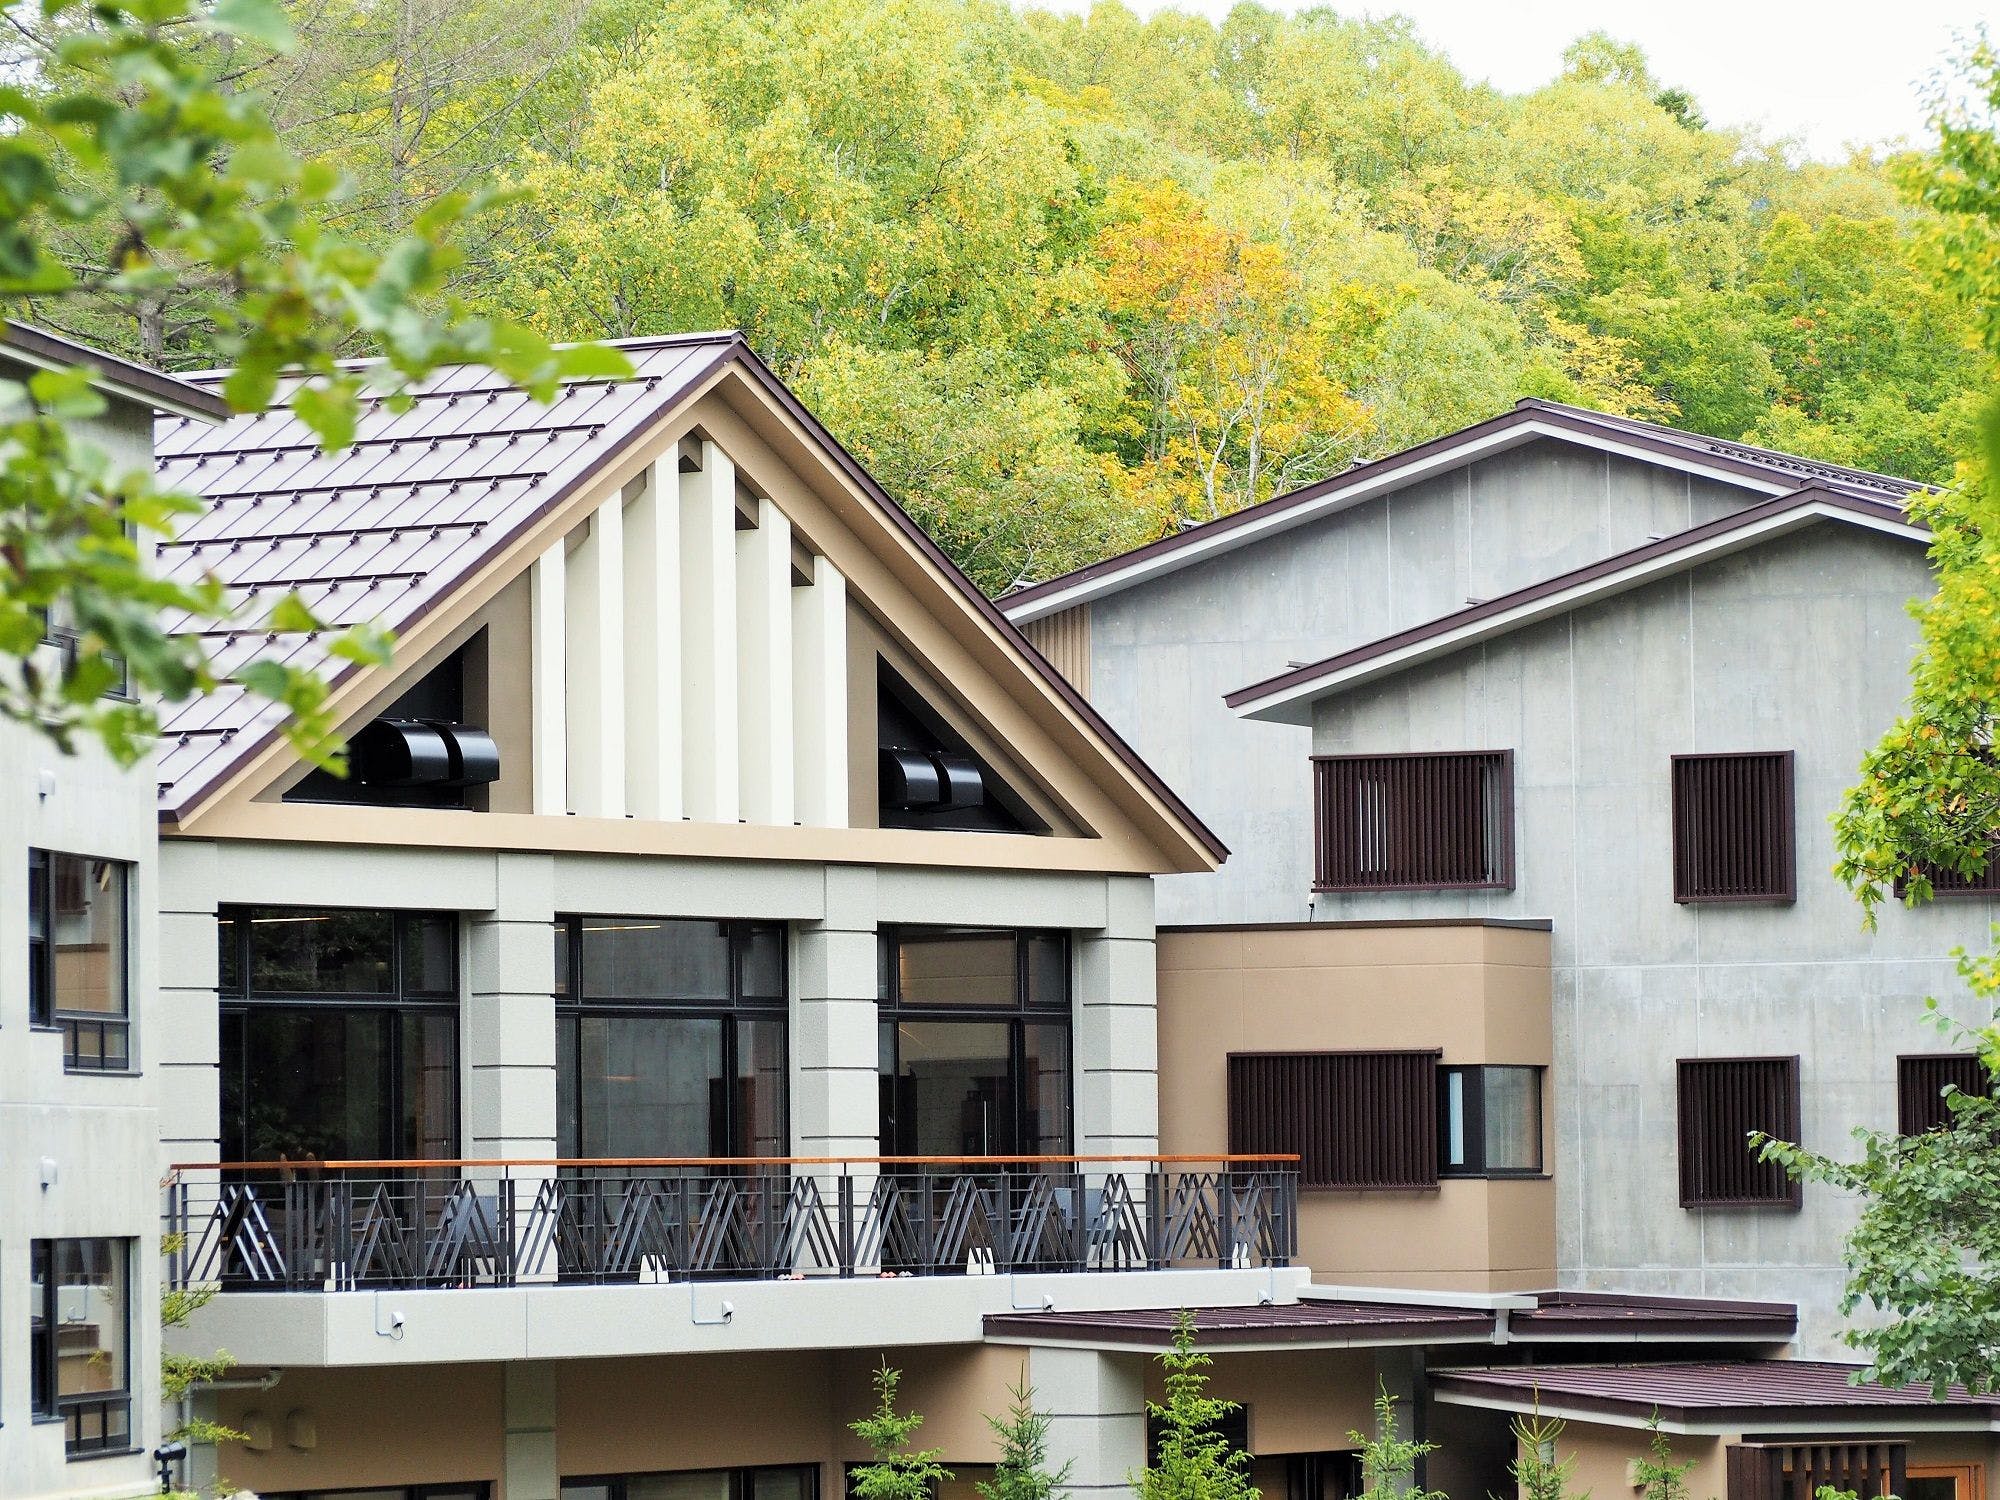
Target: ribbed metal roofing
column 1691, row 1390
column 385, row 529
column 1315, row 1322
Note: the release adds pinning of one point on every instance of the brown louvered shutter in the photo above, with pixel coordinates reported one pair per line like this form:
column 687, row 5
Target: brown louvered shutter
column 1945, row 883
column 1787, row 1471
column 1733, row 833
column 1414, row 822
column 1723, row 1099
column 1354, row 1119
column 1920, row 1085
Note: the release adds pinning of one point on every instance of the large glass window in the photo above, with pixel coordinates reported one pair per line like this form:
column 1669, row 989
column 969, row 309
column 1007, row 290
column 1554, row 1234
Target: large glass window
column 772, row 1482
column 339, row 1035
column 79, row 970
column 1490, row 1121
column 975, row 1042
column 79, row 1332
column 670, row 1037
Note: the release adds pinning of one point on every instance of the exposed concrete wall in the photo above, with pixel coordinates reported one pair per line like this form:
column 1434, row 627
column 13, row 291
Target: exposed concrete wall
column 1480, row 994
column 1163, row 653
column 1802, row 644
column 94, row 1136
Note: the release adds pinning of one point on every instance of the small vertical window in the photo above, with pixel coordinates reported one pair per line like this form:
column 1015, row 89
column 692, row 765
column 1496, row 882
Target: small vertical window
column 1733, row 838
column 1722, row 1100
column 78, row 965
column 1414, row 822
column 1354, row 1119
column 1490, row 1121
column 1921, row 1082
column 79, row 1335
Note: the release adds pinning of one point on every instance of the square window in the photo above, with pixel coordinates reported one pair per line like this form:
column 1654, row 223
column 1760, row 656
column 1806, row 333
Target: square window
column 1414, row 822
column 1722, row 1100
column 1733, row 836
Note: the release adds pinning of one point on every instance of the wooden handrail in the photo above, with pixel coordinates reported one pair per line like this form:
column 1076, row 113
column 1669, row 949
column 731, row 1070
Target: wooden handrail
column 490, row 1163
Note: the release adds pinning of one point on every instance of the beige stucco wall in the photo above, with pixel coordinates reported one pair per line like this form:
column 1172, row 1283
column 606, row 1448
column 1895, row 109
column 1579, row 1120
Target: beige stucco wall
column 1478, row 992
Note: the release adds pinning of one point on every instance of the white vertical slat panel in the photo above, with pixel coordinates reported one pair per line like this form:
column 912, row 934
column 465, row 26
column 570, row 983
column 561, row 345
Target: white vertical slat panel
column 764, row 675
column 653, row 644
column 708, row 638
column 596, row 660
column 547, row 667
column 819, row 697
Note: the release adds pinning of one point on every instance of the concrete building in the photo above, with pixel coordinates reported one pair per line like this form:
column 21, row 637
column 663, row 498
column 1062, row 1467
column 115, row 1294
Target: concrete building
column 79, row 1079
column 1566, row 671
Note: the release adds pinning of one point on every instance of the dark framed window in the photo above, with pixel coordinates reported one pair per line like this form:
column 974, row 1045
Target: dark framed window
column 670, row 1037
column 79, row 956
column 1946, row 883
column 1354, row 1119
column 339, row 1034
column 764, row 1482
column 80, row 1341
column 1721, row 1101
column 1922, row 1078
column 1418, row 822
column 1490, row 1121
column 975, row 1042
column 1733, row 834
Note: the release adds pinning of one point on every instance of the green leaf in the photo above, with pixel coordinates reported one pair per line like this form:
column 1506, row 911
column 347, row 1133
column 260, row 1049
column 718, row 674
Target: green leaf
column 261, row 21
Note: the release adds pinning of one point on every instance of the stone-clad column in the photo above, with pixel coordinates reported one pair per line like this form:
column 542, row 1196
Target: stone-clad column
column 528, row 1410
column 1096, row 1405
column 507, row 1029
column 182, row 1029
column 835, row 1098
column 1116, row 1017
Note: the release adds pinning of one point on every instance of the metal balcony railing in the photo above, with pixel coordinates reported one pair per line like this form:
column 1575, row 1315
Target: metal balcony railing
column 339, row 1226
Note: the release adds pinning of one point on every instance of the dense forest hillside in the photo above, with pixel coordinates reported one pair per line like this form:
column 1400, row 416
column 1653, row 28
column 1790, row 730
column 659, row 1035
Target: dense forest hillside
column 1067, row 281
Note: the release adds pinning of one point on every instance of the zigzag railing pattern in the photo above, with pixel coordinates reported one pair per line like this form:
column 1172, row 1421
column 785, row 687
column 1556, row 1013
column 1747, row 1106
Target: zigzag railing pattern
column 343, row 1226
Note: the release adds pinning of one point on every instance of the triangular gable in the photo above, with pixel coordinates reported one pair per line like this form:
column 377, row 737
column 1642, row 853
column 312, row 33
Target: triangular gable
column 1289, row 697
column 810, row 534
column 1756, row 471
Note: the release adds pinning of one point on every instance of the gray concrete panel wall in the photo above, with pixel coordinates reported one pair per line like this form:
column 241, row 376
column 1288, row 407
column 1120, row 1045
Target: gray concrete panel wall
column 1801, row 645
column 1165, row 652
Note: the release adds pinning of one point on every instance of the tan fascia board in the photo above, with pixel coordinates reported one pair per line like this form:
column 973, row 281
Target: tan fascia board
column 352, row 692
column 232, row 810
column 993, row 653
column 341, row 823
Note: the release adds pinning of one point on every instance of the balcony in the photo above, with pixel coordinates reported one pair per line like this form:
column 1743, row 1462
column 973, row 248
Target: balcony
column 372, row 1226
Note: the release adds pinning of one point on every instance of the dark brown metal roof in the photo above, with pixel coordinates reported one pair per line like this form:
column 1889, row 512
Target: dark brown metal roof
column 162, row 391
column 1756, row 1390
column 392, row 526
column 1320, row 1323
column 1604, row 568
column 1615, row 1315
column 1762, row 465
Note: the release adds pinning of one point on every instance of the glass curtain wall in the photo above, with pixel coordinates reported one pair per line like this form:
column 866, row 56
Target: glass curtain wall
column 670, row 1038
column 975, row 1042
column 339, row 1035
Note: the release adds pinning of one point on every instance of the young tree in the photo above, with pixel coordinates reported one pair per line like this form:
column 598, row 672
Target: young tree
column 1195, row 1459
column 1660, row 1478
column 1536, row 1468
column 1926, row 1251
column 897, row 1471
column 1023, row 1435
column 127, row 124
column 1388, row 1462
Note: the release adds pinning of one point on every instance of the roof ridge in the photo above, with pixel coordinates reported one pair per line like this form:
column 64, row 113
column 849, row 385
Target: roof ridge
column 633, row 341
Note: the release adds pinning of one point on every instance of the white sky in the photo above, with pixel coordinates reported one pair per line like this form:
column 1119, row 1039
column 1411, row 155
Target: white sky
column 1828, row 72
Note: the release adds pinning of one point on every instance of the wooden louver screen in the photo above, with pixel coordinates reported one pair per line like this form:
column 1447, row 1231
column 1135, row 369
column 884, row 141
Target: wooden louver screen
column 1798, row 1471
column 1723, row 1099
column 1414, row 822
column 1355, row 1119
column 1733, row 827
column 1920, row 1086
column 1950, row 883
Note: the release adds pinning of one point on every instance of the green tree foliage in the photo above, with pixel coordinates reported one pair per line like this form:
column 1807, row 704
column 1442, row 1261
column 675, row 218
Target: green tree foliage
column 1389, row 1462
column 1538, row 1471
column 120, row 131
column 896, row 1471
column 1925, row 1255
column 1660, row 1475
column 1022, row 1435
column 1067, row 280
column 1194, row 1459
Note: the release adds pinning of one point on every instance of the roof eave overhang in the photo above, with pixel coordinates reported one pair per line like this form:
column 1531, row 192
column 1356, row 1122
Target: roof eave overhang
column 1719, row 1421
column 1290, row 698
column 1510, row 430
column 153, row 390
